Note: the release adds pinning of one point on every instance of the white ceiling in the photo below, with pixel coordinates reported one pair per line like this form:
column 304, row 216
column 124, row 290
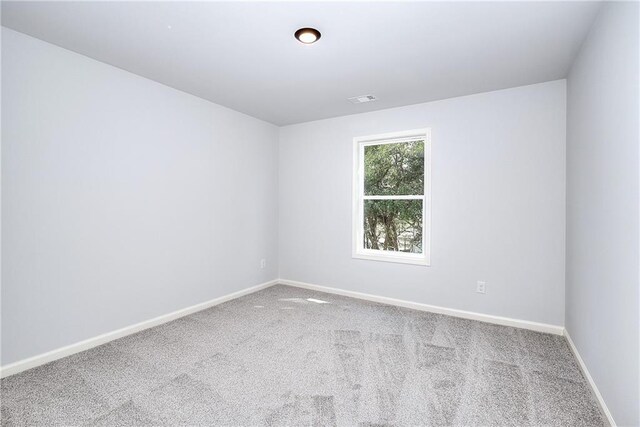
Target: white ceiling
column 243, row 54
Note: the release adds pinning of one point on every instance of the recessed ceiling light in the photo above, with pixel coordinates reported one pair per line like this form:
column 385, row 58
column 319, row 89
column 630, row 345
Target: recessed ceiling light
column 307, row 35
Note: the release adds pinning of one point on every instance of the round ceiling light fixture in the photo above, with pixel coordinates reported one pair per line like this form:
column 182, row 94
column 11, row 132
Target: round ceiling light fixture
column 307, row 35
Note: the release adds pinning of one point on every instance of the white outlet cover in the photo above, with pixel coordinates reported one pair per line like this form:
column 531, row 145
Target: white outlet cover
column 481, row 287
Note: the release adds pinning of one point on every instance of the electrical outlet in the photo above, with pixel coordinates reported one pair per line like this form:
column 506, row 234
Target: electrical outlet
column 480, row 288
column 263, row 263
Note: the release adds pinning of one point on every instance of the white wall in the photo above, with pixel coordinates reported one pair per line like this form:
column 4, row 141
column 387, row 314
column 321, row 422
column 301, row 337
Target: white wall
column 498, row 200
column 122, row 199
column 602, row 208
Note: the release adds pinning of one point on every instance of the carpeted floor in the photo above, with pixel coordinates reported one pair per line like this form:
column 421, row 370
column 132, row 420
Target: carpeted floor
column 288, row 356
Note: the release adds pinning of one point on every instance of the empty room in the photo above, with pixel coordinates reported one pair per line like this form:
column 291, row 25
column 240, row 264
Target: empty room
column 301, row 213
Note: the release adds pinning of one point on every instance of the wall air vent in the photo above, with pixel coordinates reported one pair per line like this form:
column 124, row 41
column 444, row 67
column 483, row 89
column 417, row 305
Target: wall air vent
column 362, row 98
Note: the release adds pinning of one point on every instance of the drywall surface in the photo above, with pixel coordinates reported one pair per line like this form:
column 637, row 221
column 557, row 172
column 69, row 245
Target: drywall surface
column 122, row 199
column 498, row 204
column 603, row 208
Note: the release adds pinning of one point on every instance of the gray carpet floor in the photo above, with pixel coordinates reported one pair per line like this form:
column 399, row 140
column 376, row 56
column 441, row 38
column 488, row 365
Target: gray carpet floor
column 288, row 356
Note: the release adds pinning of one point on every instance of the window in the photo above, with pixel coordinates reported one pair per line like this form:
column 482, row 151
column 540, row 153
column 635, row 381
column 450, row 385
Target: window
column 391, row 203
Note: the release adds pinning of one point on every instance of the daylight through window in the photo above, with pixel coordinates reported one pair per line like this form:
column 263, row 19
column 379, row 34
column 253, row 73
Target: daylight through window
column 391, row 203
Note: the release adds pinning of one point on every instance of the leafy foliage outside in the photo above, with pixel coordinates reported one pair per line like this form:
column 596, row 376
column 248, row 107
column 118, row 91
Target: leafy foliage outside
column 395, row 169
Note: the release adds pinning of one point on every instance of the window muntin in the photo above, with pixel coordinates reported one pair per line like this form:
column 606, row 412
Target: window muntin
column 391, row 197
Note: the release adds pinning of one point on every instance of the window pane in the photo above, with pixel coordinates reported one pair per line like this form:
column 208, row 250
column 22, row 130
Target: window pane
column 394, row 169
column 393, row 225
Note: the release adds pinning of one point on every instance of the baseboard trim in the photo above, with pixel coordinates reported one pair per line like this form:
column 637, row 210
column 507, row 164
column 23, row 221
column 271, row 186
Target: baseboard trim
column 50, row 356
column 41, row 359
column 498, row 320
column 587, row 375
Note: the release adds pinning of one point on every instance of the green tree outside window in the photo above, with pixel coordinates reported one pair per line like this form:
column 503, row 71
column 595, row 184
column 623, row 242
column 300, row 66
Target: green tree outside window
column 395, row 169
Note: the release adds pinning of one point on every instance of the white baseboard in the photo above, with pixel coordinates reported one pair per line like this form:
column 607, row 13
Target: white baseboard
column 87, row 344
column 50, row 356
column 587, row 375
column 523, row 324
column 506, row 321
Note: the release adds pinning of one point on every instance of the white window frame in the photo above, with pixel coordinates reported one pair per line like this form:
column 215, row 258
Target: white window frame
column 359, row 251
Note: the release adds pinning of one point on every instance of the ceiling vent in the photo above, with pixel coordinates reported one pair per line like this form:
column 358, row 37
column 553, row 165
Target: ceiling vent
column 361, row 99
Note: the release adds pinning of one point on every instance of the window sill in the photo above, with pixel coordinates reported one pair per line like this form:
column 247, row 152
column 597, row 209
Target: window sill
column 391, row 257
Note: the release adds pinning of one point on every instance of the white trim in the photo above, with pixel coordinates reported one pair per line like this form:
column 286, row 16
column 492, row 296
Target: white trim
column 391, row 256
column 50, row 356
column 392, row 137
column 393, row 197
column 498, row 320
column 357, row 251
column 59, row 353
column 587, row 375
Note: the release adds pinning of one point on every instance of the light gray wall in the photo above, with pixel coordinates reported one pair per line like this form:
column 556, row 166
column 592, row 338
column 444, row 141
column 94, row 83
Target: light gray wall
column 602, row 208
column 122, row 199
column 498, row 186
